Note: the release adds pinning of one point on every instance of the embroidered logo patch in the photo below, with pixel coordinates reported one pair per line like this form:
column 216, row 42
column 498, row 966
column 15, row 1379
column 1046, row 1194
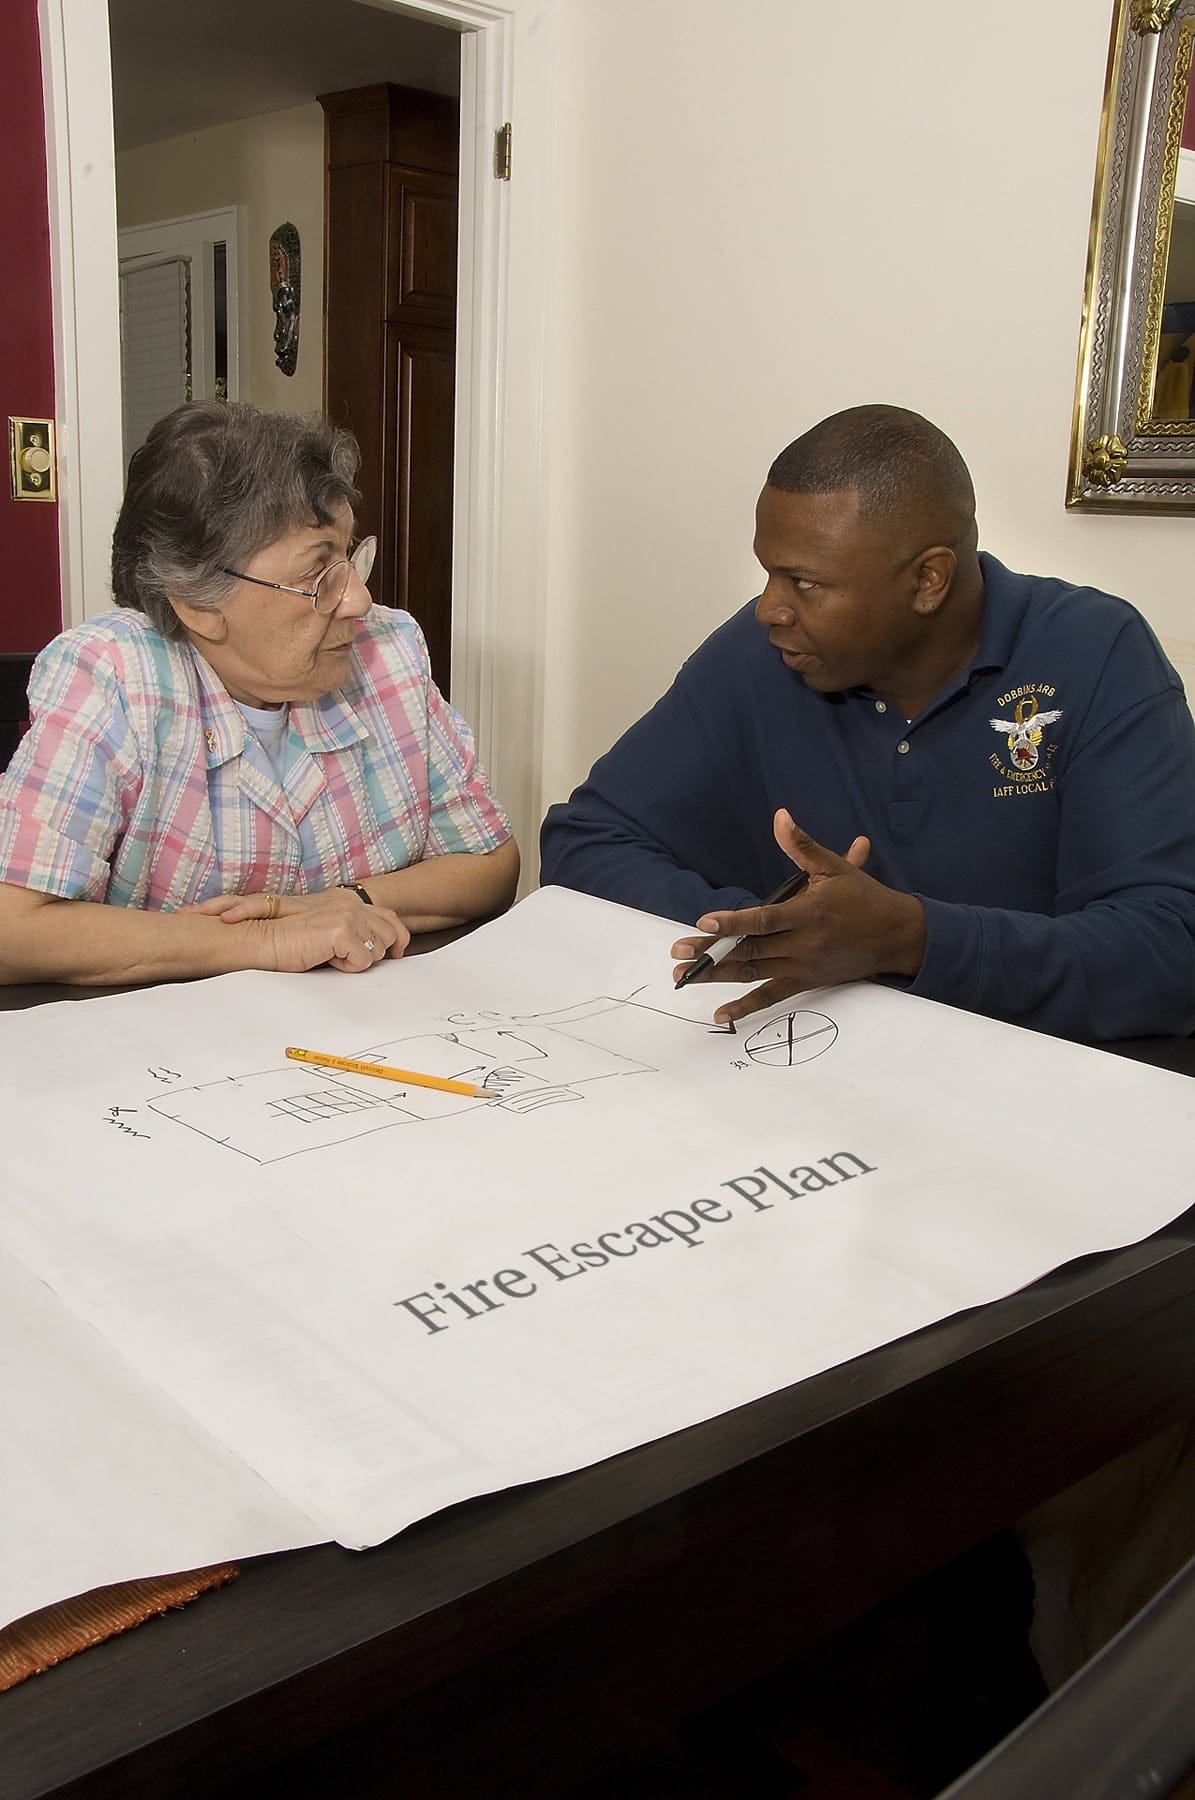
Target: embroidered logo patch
column 1023, row 735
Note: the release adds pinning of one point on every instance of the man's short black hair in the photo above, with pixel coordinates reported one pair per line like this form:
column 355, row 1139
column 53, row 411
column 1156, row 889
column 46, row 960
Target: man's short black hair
column 902, row 468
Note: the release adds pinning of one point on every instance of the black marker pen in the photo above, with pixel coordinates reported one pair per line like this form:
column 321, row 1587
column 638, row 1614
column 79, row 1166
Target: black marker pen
column 718, row 952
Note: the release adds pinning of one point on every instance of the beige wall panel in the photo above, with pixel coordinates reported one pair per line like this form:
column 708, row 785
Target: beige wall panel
column 273, row 166
column 769, row 211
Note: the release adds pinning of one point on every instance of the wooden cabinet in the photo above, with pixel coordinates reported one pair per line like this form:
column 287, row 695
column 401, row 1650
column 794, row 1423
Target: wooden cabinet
column 390, row 332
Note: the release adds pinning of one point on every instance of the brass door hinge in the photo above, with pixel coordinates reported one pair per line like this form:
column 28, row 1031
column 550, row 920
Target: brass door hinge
column 502, row 153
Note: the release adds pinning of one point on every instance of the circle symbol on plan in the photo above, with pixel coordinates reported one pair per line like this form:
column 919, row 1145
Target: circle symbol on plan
column 793, row 1038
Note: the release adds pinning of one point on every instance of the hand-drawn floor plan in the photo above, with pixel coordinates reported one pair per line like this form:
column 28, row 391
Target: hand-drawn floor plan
column 527, row 1062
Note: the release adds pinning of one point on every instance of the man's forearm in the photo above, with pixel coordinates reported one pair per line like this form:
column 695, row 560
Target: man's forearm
column 1108, row 971
column 593, row 858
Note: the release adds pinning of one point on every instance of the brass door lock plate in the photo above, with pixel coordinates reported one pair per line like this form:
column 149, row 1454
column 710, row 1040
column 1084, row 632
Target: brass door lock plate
column 31, row 458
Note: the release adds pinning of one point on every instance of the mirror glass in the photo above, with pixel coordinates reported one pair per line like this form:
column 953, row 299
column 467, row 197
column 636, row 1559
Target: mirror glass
column 1173, row 394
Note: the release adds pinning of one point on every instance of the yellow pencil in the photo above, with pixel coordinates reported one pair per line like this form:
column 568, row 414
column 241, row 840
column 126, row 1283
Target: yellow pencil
column 387, row 1074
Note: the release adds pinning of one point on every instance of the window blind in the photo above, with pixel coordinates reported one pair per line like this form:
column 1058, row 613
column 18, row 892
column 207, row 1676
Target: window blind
column 155, row 308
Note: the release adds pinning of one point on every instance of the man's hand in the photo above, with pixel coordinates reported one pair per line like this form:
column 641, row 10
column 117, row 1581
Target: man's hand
column 845, row 926
column 304, row 931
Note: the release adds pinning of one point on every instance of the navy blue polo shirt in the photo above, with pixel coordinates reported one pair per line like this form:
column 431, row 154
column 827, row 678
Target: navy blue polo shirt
column 1042, row 806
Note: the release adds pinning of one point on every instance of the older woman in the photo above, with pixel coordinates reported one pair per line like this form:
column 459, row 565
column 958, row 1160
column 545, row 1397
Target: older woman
column 247, row 767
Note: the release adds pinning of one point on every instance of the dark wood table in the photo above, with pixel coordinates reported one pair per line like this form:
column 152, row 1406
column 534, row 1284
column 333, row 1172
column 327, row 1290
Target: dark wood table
column 511, row 1645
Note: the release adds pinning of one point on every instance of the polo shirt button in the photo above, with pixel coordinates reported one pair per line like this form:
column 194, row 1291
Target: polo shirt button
column 880, row 706
column 902, row 749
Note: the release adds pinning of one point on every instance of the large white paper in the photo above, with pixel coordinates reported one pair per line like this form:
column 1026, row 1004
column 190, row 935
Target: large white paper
column 249, row 1304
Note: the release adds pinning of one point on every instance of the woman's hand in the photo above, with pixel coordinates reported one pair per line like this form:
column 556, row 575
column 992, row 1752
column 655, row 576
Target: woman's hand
column 304, row 931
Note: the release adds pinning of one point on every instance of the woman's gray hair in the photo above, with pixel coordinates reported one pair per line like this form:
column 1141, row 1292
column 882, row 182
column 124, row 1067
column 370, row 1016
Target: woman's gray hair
column 215, row 482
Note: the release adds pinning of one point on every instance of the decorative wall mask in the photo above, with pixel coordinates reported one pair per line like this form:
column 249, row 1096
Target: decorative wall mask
column 286, row 288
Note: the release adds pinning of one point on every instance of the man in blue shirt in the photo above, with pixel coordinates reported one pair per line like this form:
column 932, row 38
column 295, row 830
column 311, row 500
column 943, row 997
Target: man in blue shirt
column 993, row 774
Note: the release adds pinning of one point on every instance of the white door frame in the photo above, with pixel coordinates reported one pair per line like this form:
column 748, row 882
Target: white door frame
column 81, row 175
column 498, row 549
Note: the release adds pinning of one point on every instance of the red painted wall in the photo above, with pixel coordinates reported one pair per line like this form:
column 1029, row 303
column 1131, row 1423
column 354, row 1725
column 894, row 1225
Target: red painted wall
column 30, row 607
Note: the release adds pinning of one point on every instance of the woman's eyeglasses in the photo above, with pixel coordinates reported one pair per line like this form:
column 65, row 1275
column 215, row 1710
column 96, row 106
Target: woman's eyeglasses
column 330, row 585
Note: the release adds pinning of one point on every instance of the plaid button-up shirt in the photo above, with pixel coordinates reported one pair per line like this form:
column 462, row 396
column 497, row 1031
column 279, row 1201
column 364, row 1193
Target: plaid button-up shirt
column 133, row 772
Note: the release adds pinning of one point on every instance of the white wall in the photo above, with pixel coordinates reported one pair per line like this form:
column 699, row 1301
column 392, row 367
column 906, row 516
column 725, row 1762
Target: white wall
column 762, row 211
column 757, row 212
column 273, row 166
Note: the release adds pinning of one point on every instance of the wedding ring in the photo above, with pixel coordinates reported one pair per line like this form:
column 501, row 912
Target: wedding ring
column 271, row 906
column 368, row 944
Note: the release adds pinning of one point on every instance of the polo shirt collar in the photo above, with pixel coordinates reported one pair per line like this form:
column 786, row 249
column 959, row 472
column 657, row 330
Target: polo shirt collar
column 1005, row 597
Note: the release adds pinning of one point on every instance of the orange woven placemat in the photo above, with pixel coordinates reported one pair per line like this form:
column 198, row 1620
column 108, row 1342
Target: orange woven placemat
column 46, row 1637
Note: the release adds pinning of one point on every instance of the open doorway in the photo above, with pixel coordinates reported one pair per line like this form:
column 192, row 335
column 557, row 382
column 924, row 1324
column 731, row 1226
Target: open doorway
column 499, row 571
column 222, row 109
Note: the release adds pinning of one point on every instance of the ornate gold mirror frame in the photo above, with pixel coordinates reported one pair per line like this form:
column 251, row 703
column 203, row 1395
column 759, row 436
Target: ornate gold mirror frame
column 1132, row 448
